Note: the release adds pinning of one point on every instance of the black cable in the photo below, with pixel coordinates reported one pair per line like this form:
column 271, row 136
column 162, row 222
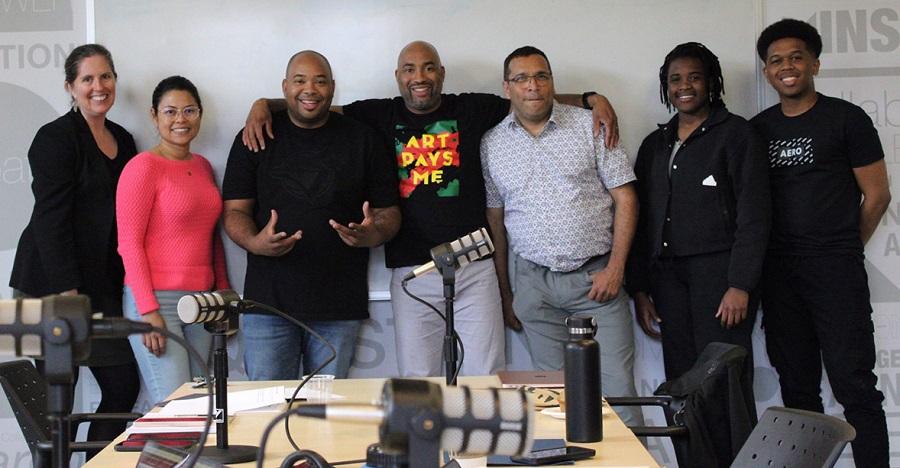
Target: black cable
column 311, row 458
column 302, row 454
column 423, row 301
column 265, row 437
column 462, row 355
column 287, row 427
column 349, row 462
column 192, row 457
column 456, row 338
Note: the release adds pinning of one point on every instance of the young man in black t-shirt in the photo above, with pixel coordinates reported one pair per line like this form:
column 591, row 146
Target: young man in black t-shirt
column 829, row 190
column 436, row 140
column 293, row 207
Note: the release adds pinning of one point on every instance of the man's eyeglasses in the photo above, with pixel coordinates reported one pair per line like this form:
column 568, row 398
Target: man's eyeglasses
column 541, row 78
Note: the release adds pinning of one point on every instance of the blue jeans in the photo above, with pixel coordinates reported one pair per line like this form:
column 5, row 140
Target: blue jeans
column 163, row 374
column 274, row 347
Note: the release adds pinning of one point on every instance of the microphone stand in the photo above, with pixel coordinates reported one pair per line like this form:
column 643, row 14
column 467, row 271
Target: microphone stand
column 59, row 372
column 65, row 341
column 446, row 258
column 223, row 453
column 450, row 351
column 445, row 262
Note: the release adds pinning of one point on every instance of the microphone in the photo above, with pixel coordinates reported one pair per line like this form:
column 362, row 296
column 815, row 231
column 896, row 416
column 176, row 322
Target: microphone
column 29, row 326
column 457, row 253
column 213, row 306
column 465, row 420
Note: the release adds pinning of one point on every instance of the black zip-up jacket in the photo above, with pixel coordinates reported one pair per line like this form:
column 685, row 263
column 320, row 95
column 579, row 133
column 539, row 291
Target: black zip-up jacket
column 718, row 407
column 717, row 198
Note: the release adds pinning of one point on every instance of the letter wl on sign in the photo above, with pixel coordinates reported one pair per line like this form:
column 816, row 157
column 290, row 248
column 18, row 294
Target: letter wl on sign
column 36, row 15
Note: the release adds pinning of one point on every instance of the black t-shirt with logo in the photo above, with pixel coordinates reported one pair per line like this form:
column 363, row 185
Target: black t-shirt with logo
column 438, row 163
column 310, row 176
column 815, row 197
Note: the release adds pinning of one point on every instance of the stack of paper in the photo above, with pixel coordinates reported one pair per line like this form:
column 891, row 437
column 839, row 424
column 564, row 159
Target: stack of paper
column 157, row 423
column 179, row 431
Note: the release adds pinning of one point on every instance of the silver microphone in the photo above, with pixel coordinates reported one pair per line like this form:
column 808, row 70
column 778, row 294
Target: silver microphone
column 211, row 306
column 457, row 254
column 467, row 421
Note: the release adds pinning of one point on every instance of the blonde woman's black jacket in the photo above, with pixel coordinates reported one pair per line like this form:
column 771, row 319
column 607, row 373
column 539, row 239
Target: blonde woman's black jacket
column 717, row 198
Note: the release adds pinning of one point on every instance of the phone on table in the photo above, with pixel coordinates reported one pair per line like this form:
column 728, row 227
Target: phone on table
column 554, row 455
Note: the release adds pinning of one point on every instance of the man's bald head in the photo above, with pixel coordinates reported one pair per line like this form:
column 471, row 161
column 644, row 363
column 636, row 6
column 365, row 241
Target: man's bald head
column 418, row 48
column 312, row 54
column 420, row 77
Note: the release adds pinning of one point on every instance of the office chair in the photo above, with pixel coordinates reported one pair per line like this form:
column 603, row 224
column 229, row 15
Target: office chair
column 795, row 438
column 709, row 410
column 26, row 391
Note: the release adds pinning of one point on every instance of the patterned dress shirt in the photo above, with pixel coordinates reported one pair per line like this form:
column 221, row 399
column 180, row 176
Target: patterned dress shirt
column 554, row 187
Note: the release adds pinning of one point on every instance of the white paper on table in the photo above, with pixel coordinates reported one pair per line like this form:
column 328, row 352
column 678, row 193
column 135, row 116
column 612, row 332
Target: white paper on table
column 282, row 406
column 237, row 401
column 166, row 429
column 276, row 408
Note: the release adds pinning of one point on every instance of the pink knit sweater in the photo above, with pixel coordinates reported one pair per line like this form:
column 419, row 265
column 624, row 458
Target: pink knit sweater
column 168, row 238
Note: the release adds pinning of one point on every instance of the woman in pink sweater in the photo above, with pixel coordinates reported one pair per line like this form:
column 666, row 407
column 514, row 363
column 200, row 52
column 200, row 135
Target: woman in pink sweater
column 167, row 207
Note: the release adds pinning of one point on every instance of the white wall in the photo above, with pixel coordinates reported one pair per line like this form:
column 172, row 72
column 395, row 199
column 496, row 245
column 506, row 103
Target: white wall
column 236, row 51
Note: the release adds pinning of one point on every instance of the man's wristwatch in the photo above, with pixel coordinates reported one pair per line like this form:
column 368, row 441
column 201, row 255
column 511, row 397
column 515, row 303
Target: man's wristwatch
column 584, row 100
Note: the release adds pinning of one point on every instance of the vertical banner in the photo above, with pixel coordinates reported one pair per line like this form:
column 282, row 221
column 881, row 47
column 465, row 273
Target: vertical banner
column 35, row 38
column 860, row 63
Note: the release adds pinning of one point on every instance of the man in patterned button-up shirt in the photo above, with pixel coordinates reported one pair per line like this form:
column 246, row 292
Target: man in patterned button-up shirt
column 569, row 208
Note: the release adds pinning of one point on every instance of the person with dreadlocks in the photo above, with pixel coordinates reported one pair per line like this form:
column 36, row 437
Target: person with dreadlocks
column 704, row 217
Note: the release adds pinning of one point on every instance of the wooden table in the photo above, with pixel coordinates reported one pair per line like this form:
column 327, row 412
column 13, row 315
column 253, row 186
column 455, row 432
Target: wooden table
column 348, row 441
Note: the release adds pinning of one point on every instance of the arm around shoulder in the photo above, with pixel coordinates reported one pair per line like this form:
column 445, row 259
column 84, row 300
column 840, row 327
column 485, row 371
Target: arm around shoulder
column 603, row 113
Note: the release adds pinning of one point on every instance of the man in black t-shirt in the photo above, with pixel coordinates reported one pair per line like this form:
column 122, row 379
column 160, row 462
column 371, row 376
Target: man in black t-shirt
column 829, row 190
column 293, row 207
column 436, row 140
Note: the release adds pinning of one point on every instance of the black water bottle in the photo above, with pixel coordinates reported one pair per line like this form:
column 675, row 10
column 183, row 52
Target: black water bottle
column 584, row 418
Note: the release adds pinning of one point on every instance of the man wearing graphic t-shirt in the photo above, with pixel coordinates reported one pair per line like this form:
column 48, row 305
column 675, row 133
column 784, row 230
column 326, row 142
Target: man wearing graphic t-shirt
column 829, row 190
column 436, row 140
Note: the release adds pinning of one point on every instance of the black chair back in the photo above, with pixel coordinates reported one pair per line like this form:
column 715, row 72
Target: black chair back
column 714, row 400
column 709, row 410
column 795, row 438
column 26, row 391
